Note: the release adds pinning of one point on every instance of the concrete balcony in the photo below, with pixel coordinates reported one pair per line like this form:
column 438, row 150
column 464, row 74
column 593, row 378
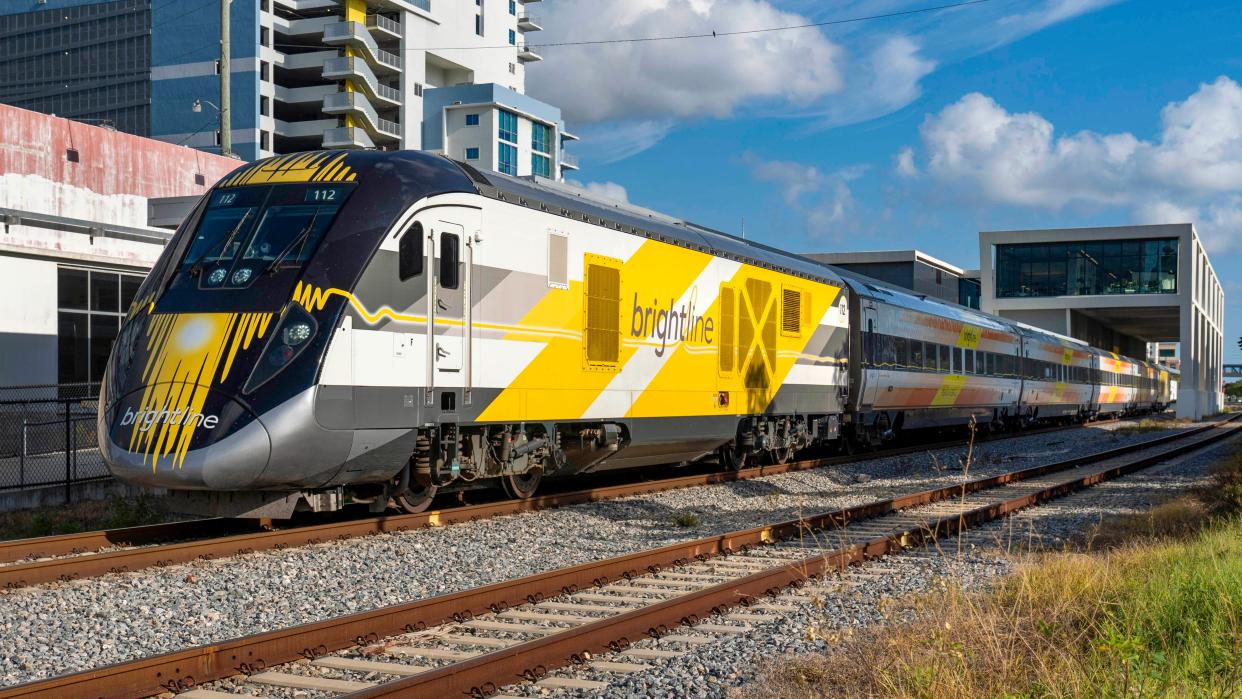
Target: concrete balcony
column 303, row 95
column 359, row 72
column 356, row 36
column 302, row 129
column 346, row 137
column 569, row 162
column 384, row 27
column 312, row 60
column 355, row 104
column 526, row 22
column 526, row 55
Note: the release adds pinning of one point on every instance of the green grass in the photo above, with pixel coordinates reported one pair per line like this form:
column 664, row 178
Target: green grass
column 686, row 520
column 115, row 513
column 1152, row 608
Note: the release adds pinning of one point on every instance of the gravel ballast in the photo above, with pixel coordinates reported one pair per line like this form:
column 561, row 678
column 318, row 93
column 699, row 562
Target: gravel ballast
column 981, row 559
column 59, row 628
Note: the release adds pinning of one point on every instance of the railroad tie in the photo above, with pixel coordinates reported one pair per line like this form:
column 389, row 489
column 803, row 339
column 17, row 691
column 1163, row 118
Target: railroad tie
column 723, row 628
column 571, row 607
column 651, row 653
column 485, row 641
column 620, row 668
column 620, row 599
column 213, row 694
column 322, row 684
column 570, row 683
column 540, row 616
column 684, row 638
column 433, row 653
column 510, row 628
column 756, row 618
column 359, row 665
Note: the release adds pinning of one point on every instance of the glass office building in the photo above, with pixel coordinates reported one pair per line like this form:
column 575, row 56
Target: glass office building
column 1106, row 267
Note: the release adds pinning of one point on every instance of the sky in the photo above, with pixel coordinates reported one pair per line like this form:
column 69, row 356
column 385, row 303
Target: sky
column 915, row 131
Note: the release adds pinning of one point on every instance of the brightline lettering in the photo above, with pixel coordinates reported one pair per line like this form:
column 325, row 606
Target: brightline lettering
column 147, row 419
column 664, row 324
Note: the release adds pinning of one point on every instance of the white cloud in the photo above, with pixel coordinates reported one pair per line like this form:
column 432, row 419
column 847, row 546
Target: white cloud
column 607, row 190
column 978, row 151
column 903, row 163
column 608, row 143
column 682, row 78
column 823, row 198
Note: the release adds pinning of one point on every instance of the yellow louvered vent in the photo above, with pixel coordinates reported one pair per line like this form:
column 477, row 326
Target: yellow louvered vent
column 603, row 312
column 728, row 330
column 791, row 311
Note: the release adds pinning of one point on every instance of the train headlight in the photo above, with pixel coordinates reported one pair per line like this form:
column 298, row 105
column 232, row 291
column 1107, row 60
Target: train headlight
column 295, row 334
column 216, row 278
column 241, row 276
column 291, row 338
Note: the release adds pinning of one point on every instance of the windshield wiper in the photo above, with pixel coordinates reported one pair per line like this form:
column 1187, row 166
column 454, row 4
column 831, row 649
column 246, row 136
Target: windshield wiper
column 302, row 237
column 197, row 268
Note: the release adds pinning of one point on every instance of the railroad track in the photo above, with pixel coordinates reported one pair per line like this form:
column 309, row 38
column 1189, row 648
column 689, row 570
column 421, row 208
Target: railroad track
column 474, row 642
column 25, row 562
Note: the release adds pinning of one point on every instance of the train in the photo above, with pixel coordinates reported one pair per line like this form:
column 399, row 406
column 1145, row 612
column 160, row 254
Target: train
column 374, row 328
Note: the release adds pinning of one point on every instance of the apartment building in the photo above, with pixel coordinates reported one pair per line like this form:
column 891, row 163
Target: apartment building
column 305, row 74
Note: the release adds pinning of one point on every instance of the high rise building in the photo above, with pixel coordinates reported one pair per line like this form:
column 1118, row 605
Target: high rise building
column 443, row 75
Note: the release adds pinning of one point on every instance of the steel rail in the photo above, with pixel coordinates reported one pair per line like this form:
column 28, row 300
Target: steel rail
column 216, row 538
column 482, row 675
column 183, row 669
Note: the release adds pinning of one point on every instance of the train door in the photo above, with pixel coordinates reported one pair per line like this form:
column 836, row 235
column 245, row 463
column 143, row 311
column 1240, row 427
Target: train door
column 451, row 240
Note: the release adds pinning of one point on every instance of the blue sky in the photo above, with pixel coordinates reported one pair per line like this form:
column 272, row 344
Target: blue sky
column 916, row 131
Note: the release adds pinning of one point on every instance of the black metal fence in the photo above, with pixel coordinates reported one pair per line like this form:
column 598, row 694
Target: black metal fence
column 48, row 436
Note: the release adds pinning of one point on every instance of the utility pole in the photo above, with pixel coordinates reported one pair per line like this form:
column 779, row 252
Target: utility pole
column 226, row 127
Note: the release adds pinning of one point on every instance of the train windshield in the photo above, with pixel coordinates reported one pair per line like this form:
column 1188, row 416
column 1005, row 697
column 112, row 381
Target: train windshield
column 249, row 232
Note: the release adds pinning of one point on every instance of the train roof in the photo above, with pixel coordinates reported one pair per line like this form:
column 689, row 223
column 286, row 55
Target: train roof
column 573, row 202
column 900, row 296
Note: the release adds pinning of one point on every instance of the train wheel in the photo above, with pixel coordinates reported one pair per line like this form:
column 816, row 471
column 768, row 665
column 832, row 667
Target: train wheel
column 417, row 499
column 731, row 458
column 521, row 486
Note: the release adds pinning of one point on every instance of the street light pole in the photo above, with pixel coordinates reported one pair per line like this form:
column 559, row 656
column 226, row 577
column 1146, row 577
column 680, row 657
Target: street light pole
column 226, row 128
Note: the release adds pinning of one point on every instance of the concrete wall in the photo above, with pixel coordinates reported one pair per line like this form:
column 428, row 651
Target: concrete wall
column 27, row 321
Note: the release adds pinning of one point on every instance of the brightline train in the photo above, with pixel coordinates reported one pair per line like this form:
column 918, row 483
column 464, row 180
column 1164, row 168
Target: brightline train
column 345, row 327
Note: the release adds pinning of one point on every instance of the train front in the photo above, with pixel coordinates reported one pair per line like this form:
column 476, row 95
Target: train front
column 210, row 385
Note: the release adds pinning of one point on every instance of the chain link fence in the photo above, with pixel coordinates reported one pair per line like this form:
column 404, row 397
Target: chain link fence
column 48, row 436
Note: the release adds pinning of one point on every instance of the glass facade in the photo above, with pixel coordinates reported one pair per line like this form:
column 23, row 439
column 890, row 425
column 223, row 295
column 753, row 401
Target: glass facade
column 540, row 137
column 1106, row 267
column 506, row 126
column 507, row 159
column 90, row 62
column 540, row 165
column 968, row 292
column 90, row 304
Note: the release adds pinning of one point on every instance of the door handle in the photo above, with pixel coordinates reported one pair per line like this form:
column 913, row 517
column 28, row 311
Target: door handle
column 440, row 304
column 441, row 353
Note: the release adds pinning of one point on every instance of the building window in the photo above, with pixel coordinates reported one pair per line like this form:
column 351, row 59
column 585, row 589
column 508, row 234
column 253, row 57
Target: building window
column 541, row 137
column 513, row 69
column 507, row 159
column 265, row 105
column 540, row 165
column 1106, row 267
column 418, row 89
column 472, row 154
column 478, row 25
column 91, row 304
column 265, row 36
column 265, row 140
column 472, row 120
column 507, row 129
column 512, row 38
column 513, row 7
column 265, row 71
